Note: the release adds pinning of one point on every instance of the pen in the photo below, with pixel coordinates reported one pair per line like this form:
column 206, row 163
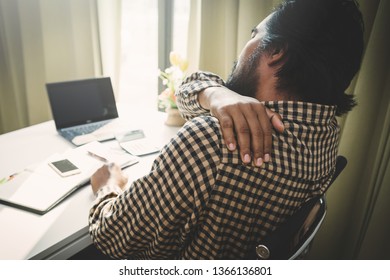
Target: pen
column 98, row 157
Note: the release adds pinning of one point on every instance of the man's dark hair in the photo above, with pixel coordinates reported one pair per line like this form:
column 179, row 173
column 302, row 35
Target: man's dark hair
column 323, row 46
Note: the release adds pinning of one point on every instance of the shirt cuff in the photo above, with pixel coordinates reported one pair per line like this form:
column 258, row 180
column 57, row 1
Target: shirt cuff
column 187, row 93
column 198, row 82
column 110, row 190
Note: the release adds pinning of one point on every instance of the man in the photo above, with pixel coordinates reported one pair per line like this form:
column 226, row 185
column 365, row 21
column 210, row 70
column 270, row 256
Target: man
column 200, row 201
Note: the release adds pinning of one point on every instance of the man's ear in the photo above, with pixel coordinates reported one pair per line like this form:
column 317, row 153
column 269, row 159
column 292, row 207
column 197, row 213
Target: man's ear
column 276, row 56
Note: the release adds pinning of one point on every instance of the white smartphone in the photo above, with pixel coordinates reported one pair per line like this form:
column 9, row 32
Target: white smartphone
column 64, row 167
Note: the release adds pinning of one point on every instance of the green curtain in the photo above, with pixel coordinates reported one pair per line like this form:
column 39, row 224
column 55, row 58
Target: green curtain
column 358, row 202
column 219, row 29
column 357, row 224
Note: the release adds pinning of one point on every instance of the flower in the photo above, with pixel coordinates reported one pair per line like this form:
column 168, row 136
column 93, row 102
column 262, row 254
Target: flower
column 172, row 77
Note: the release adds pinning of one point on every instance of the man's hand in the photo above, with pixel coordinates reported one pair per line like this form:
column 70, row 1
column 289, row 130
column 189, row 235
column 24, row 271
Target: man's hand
column 108, row 174
column 246, row 118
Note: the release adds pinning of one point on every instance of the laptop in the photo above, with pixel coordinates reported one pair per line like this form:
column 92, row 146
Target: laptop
column 82, row 109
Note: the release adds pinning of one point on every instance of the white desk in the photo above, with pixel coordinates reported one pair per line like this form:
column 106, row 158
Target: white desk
column 63, row 231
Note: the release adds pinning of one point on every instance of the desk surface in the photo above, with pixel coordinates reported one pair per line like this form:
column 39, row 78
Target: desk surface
column 63, row 231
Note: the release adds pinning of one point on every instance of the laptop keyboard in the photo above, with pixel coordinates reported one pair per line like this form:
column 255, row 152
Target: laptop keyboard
column 82, row 129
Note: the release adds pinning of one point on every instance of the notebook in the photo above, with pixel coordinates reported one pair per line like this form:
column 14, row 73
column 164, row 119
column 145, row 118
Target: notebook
column 39, row 188
column 84, row 110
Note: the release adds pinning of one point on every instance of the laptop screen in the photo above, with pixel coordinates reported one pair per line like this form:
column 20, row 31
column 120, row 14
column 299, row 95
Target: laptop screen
column 81, row 101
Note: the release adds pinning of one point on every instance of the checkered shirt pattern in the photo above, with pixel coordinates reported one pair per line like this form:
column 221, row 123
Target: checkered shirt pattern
column 200, row 201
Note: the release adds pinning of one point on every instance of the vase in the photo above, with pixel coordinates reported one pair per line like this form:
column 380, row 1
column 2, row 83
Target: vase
column 174, row 118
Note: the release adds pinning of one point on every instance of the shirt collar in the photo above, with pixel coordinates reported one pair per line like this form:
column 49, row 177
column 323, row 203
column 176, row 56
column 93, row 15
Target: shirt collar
column 303, row 112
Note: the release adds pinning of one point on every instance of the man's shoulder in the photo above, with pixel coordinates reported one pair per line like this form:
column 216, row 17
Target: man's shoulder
column 199, row 137
column 204, row 124
column 201, row 131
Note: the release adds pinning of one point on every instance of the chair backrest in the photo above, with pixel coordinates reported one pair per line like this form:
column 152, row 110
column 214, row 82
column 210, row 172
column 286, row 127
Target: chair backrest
column 292, row 239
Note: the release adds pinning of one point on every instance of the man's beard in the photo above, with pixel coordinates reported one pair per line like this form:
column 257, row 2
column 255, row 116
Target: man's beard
column 246, row 80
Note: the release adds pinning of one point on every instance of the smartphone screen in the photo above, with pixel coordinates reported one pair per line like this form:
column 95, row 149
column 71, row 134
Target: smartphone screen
column 64, row 167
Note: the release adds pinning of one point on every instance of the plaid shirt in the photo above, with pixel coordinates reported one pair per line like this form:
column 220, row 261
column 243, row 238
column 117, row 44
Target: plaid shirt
column 200, row 201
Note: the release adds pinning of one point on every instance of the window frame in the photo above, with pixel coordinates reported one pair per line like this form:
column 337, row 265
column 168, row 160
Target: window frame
column 165, row 31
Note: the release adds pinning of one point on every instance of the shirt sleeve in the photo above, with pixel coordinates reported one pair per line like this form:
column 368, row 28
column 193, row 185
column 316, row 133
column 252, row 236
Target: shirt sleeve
column 187, row 93
column 156, row 214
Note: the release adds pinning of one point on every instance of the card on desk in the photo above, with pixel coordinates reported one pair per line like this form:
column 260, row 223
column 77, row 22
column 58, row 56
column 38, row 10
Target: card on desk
column 39, row 188
column 136, row 143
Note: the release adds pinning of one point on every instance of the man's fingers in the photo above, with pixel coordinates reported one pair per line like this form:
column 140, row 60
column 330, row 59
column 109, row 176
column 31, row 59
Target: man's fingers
column 228, row 131
column 243, row 137
column 236, row 131
column 105, row 173
column 117, row 175
column 249, row 128
column 99, row 178
column 256, row 136
column 266, row 140
column 246, row 124
column 275, row 119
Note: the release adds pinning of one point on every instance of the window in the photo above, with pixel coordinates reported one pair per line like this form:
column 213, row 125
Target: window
column 181, row 15
column 139, row 58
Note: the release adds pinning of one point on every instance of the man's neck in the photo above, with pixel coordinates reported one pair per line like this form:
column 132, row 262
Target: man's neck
column 271, row 93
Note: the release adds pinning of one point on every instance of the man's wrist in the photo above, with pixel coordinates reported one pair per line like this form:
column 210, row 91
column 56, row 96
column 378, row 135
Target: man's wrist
column 108, row 189
column 205, row 96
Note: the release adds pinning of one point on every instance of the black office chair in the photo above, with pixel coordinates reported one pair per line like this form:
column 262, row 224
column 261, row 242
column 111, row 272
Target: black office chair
column 293, row 238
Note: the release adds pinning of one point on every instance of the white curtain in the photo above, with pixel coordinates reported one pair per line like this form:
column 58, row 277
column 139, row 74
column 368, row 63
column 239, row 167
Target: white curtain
column 109, row 23
column 52, row 40
column 357, row 225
